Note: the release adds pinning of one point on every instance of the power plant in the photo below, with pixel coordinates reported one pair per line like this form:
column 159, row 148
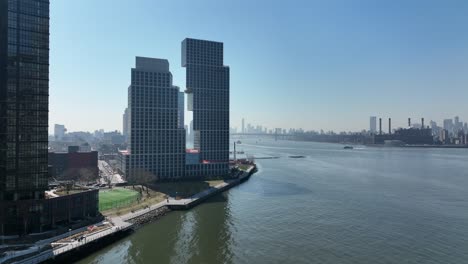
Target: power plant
column 410, row 135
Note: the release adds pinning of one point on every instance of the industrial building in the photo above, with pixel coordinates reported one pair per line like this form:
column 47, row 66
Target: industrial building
column 410, row 135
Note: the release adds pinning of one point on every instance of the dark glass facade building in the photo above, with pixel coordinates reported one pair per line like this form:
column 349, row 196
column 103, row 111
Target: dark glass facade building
column 24, row 93
column 157, row 143
column 24, row 107
column 207, row 86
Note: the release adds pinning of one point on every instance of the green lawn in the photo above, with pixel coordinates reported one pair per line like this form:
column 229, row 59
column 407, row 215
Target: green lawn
column 244, row 167
column 116, row 197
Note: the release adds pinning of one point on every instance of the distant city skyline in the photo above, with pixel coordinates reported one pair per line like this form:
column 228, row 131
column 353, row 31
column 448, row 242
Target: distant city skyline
column 320, row 65
column 447, row 123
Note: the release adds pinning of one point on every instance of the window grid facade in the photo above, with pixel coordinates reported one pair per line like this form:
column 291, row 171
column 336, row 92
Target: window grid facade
column 24, row 95
column 207, row 83
column 157, row 144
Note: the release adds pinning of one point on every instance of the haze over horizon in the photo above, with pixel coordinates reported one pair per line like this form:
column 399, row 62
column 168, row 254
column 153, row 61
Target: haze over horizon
column 323, row 65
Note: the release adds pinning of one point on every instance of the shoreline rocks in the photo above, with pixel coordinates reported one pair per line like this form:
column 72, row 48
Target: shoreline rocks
column 149, row 216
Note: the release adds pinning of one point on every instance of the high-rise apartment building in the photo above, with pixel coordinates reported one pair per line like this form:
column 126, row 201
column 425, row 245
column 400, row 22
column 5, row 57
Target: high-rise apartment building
column 373, row 124
column 157, row 143
column 448, row 125
column 59, row 132
column 24, row 98
column 457, row 126
column 207, row 84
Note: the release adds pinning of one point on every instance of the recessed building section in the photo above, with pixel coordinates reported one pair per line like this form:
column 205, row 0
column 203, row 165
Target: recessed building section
column 181, row 109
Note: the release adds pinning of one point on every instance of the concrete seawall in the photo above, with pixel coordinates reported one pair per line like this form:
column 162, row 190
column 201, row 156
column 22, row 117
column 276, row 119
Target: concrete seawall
column 151, row 216
column 203, row 196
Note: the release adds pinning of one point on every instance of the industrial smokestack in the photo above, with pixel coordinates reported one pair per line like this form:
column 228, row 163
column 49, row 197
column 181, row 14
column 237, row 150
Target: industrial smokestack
column 389, row 126
column 409, row 122
column 380, row 126
column 422, row 123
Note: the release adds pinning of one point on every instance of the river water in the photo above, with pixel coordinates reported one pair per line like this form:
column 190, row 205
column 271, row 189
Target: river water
column 366, row 205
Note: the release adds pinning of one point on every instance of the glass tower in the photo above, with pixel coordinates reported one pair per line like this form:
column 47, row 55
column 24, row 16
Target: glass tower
column 207, row 84
column 24, row 94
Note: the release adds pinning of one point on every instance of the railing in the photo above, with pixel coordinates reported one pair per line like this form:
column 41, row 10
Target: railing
column 71, row 246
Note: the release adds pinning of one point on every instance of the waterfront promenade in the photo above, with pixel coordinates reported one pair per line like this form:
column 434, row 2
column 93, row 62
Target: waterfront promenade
column 77, row 239
column 180, row 204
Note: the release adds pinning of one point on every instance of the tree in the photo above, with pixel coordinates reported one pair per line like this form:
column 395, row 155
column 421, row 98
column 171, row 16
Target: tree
column 87, row 175
column 142, row 177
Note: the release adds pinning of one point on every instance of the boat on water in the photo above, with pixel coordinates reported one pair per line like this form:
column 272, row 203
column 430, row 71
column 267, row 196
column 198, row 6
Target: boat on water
column 296, row 157
column 348, row 147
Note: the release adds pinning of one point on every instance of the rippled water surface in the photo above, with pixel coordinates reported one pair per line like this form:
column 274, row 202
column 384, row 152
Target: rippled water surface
column 366, row 205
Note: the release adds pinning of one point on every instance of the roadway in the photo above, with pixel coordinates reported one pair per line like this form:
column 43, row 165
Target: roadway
column 108, row 174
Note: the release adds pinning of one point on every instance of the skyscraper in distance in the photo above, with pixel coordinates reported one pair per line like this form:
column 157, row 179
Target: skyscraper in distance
column 448, row 125
column 243, row 125
column 207, row 87
column 59, row 132
column 457, row 124
column 373, row 124
column 125, row 124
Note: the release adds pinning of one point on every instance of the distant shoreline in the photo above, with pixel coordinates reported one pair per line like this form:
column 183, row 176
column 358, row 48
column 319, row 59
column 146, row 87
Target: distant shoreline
column 435, row 146
column 419, row 146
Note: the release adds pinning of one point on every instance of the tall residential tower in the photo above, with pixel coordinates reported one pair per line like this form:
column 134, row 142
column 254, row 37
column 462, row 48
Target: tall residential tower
column 24, row 98
column 207, row 83
column 157, row 143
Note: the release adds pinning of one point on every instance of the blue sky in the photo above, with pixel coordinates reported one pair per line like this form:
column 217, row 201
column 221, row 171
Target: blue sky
column 311, row 64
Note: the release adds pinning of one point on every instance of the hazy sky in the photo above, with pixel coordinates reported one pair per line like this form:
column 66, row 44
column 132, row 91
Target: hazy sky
column 311, row 64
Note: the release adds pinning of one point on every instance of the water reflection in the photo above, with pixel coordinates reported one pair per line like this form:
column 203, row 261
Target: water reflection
column 201, row 235
column 212, row 243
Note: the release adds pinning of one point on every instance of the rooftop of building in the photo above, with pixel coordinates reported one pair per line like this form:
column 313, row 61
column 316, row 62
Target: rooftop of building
column 152, row 64
column 202, row 40
column 64, row 189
